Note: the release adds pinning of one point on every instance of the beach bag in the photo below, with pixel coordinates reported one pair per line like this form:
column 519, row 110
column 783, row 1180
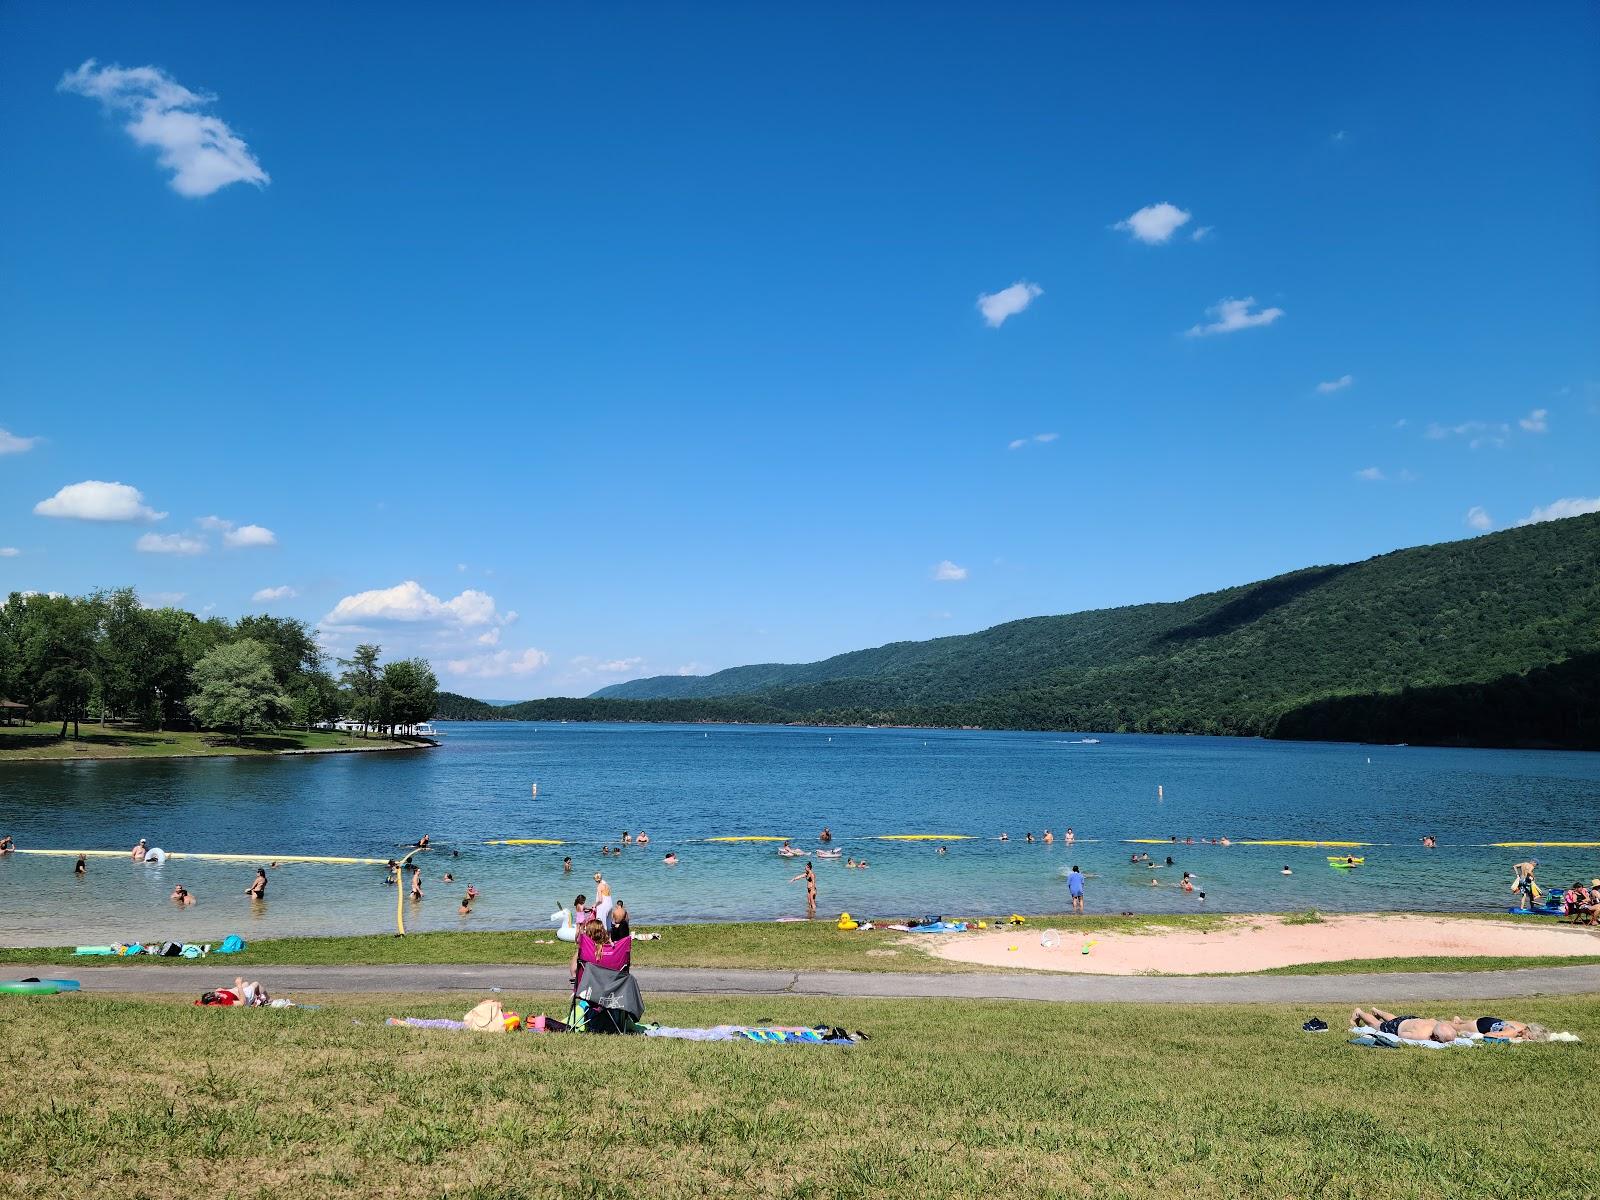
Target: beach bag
column 170, row 950
column 231, row 944
column 487, row 1017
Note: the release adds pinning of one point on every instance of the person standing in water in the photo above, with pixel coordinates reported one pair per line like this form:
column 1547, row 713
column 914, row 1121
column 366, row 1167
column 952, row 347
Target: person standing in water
column 566, row 865
column 826, row 835
column 258, row 889
column 810, row 877
column 416, row 883
column 139, row 851
column 81, row 867
column 1075, row 889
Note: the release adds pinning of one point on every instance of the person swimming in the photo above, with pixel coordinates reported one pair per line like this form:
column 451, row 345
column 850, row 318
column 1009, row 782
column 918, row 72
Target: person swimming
column 180, row 896
column 671, row 858
column 941, row 850
column 1004, row 836
column 448, row 878
column 1286, row 870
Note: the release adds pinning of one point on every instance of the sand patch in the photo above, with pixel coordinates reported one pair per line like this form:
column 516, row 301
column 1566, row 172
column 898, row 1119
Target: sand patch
column 1259, row 943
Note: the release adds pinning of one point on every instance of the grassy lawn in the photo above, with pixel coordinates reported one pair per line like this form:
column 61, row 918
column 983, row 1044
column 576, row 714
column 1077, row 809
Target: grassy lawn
column 779, row 945
column 23, row 743
column 158, row 1099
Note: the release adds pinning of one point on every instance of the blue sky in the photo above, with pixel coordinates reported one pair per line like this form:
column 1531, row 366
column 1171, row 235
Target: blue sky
column 661, row 329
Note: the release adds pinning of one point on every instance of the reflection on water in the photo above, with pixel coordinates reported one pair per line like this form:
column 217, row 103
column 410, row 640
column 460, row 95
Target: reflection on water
column 686, row 783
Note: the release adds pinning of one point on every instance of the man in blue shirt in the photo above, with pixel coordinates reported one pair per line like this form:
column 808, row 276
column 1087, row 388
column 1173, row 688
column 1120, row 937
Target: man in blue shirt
column 1075, row 887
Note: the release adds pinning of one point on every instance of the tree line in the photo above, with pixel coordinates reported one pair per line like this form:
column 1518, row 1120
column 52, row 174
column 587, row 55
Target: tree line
column 106, row 656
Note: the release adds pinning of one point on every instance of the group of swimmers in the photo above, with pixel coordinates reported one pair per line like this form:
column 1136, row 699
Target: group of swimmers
column 1048, row 837
column 628, row 839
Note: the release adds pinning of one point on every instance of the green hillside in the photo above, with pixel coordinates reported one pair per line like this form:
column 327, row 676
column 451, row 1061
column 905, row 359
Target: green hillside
column 1435, row 641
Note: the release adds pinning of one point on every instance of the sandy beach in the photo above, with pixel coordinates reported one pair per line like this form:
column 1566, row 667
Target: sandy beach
column 1259, row 943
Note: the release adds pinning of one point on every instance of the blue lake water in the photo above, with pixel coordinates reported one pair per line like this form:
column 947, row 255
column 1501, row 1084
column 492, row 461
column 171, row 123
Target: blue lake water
column 684, row 784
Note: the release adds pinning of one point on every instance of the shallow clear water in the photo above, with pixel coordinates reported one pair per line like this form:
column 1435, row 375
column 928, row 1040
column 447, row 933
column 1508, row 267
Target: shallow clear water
column 686, row 783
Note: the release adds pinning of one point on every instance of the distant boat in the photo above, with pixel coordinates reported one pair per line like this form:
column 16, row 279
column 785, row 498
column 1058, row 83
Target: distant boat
column 1089, row 742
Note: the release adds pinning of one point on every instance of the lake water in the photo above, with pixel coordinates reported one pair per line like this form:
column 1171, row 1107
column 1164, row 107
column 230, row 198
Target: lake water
column 684, row 784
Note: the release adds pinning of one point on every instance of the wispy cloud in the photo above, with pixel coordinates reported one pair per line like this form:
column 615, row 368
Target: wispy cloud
column 1038, row 438
column 948, row 572
column 268, row 594
column 1572, row 506
column 1007, row 302
column 9, row 552
column 499, row 664
column 1328, row 387
column 1202, row 233
column 203, row 154
column 96, row 500
column 10, row 443
column 1233, row 315
column 238, row 537
column 1478, row 434
column 1538, row 421
column 1154, row 223
column 1478, row 518
column 162, row 600
column 1372, row 474
column 170, row 543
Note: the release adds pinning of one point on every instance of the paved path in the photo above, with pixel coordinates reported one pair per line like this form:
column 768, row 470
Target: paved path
column 1385, row 988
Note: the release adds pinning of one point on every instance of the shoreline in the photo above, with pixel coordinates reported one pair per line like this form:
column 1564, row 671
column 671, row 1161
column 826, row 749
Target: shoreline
column 98, row 743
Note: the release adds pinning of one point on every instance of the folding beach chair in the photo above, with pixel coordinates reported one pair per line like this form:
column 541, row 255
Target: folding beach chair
column 605, row 999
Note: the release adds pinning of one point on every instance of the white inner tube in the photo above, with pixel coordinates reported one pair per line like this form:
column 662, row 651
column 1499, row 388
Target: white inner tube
column 566, row 931
column 155, row 857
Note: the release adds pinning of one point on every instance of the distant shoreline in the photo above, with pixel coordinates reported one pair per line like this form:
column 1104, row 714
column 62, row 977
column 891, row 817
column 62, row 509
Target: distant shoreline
column 98, row 743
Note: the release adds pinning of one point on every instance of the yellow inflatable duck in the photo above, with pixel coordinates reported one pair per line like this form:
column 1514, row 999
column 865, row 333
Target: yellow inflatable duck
column 846, row 921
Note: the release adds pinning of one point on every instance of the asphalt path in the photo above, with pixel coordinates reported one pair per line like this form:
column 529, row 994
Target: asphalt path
column 1386, row 988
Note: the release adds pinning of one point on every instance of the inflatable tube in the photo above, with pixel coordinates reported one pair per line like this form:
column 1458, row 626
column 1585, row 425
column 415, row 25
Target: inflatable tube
column 751, row 838
column 32, row 987
column 923, row 837
column 526, row 842
column 566, row 931
column 1579, row 845
column 1343, row 863
column 155, row 857
column 1536, row 912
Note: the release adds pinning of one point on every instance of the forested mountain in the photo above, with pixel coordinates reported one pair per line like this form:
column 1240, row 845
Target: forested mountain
column 1437, row 643
column 452, row 707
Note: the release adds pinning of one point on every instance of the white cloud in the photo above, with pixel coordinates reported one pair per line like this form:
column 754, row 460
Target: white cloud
column 95, row 500
column 1478, row 518
column 1007, row 302
column 1043, row 438
column 162, row 599
column 1233, row 315
column 1335, row 385
column 498, row 664
column 170, row 543
column 620, row 666
column 9, row 552
column 692, row 668
column 1202, row 233
column 1477, row 433
column 461, row 566
column 410, row 602
column 214, row 524
column 1154, row 223
column 1370, row 473
column 202, row 153
column 491, row 638
column 948, row 572
column 10, row 443
column 249, row 535
column 1572, row 506
column 274, row 593
column 1538, row 421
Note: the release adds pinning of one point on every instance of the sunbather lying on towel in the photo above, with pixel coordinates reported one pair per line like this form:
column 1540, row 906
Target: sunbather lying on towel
column 1418, row 1029
column 1499, row 1027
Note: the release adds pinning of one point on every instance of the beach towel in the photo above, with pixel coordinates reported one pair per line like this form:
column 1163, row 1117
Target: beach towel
column 1373, row 1037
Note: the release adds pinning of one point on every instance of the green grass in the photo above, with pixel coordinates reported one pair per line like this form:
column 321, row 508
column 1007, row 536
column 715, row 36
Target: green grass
column 23, row 743
column 158, row 1099
column 780, row 945
column 1479, row 962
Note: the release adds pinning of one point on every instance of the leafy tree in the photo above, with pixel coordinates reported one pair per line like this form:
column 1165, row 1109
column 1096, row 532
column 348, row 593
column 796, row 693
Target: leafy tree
column 58, row 656
column 411, row 691
column 234, row 686
column 365, row 684
column 316, row 698
column 290, row 644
